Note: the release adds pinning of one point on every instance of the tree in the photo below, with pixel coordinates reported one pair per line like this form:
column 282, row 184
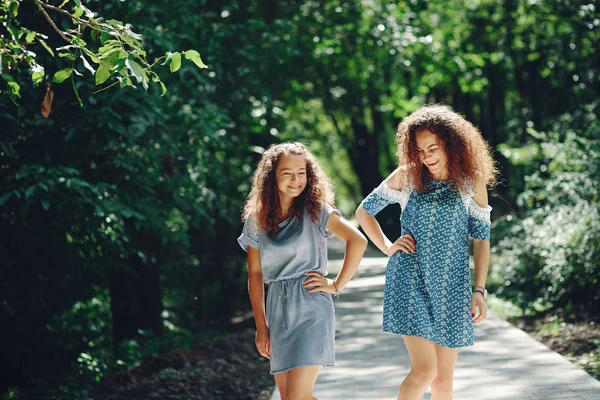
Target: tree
column 115, row 49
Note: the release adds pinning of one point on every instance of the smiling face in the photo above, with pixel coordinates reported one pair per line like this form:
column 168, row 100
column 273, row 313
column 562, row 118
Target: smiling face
column 291, row 176
column 432, row 154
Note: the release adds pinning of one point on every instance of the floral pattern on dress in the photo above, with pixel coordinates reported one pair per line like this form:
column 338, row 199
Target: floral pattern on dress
column 428, row 293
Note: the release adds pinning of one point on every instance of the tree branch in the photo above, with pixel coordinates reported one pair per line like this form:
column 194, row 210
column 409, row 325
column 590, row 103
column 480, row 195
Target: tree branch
column 81, row 21
column 62, row 35
column 60, row 10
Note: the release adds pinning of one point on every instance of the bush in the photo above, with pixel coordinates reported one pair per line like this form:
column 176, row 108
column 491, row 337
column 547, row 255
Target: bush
column 549, row 258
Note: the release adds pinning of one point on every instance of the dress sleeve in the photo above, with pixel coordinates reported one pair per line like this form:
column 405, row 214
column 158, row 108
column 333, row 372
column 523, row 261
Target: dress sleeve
column 324, row 216
column 479, row 220
column 382, row 196
column 249, row 236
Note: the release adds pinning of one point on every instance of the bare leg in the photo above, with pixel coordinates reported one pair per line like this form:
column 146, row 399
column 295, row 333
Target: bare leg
column 423, row 368
column 281, row 383
column 441, row 387
column 301, row 382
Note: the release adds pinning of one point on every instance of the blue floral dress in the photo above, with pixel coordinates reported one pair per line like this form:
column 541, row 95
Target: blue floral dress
column 428, row 293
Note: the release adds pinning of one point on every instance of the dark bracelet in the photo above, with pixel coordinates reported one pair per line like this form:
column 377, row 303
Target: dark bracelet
column 482, row 291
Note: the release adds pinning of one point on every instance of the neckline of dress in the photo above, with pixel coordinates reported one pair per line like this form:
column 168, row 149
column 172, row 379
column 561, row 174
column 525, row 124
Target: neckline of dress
column 286, row 221
column 437, row 181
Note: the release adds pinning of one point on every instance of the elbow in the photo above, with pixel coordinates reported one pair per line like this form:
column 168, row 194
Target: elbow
column 362, row 241
column 255, row 276
column 358, row 241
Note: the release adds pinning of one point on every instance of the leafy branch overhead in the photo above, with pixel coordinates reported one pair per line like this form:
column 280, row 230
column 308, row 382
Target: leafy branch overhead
column 105, row 48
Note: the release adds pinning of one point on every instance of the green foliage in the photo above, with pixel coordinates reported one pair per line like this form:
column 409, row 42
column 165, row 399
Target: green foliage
column 130, row 183
column 115, row 49
column 138, row 187
column 549, row 257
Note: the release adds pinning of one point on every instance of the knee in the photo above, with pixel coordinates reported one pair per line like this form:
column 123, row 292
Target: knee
column 423, row 376
column 295, row 395
column 441, row 384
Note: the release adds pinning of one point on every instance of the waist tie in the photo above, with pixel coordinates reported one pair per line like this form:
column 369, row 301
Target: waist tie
column 283, row 287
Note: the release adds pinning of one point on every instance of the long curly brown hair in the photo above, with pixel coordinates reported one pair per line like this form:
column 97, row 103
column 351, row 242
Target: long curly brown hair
column 468, row 154
column 263, row 200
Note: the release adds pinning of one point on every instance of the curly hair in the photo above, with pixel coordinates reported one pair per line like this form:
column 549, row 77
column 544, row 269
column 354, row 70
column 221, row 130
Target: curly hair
column 468, row 153
column 263, row 200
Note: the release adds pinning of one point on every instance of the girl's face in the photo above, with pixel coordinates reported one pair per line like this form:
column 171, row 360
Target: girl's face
column 291, row 175
column 432, row 154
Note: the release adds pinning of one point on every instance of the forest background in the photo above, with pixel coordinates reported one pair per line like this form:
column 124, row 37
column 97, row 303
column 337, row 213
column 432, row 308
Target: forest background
column 122, row 178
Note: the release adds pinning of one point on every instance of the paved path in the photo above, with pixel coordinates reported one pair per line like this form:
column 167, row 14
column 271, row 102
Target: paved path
column 505, row 363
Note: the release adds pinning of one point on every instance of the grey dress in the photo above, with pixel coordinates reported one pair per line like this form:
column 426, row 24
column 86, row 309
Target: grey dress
column 301, row 324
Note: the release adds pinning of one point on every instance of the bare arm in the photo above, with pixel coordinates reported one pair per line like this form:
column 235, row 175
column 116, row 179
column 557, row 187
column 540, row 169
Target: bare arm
column 481, row 257
column 356, row 245
column 370, row 225
column 481, row 248
column 373, row 230
column 256, row 289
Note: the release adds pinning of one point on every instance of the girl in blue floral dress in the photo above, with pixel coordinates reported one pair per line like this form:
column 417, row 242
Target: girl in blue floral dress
column 445, row 167
column 288, row 219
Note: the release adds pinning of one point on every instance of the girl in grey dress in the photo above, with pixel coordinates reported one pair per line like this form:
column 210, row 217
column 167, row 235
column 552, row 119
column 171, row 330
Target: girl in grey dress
column 288, row 218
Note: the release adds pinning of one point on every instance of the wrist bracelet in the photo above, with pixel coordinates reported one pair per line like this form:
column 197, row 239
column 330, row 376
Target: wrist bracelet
column 481, row 290
column 337, row 291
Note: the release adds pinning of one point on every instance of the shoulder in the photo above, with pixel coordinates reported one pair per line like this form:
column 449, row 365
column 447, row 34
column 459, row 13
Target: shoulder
column 252, row 222
column 327, row 210
column 397, row 179
column 480, row 194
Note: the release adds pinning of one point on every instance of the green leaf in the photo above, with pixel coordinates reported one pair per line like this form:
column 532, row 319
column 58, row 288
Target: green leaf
column 13, row 8
column 163, row 87
column 5, row 198
column 175, row 62
column 194, row 56
column 124, row 81
column 29, row 37
column 14, row 89
column 87, row 65
column 91, row 55
column 78, row 11
column 168, row 56
column 88, row 12
column 114, row 22
column 60, row 76
column 76, row 93
column 63, row 3
column 102, row 74
column 67, row 55
column 129, row 213
column 45, row 205
column 37, row 74
column 104, row 37
column 45, row 45
column 29, row 192
column 135, row 69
